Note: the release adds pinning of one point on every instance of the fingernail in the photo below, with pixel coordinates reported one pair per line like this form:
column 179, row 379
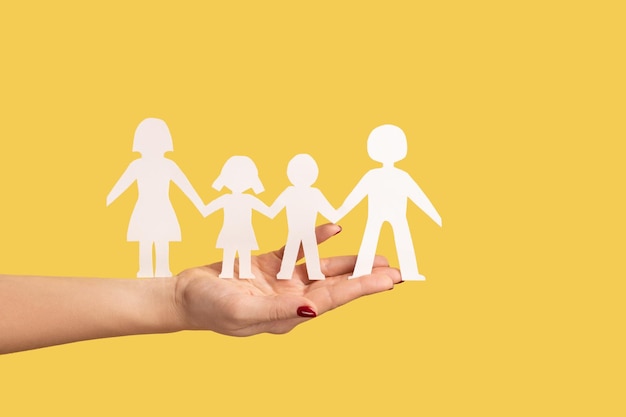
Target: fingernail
column 306, row 311
column 339, row 231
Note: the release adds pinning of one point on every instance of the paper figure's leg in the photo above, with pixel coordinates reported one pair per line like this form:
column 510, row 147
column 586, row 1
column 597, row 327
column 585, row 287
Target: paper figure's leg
column 145, row 260
column 162, row 251
column 309, row 247
column 289, row 258
column 367, row 252
column 228, row 263
column 245, row 265
column 406, row 251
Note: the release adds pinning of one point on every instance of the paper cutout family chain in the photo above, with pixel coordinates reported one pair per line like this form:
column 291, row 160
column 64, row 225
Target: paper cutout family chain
column 154, row 224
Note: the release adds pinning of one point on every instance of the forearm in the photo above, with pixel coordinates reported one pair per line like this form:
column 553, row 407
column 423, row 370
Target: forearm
column 355, row 197
column 44, row 311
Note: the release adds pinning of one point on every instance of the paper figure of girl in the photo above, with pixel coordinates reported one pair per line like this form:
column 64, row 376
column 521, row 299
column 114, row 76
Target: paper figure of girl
column 387, row 189
column 153, row 222
column 238, row 174
column 302, row 203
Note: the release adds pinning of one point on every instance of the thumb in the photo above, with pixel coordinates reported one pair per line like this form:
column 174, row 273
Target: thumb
column 279, row 308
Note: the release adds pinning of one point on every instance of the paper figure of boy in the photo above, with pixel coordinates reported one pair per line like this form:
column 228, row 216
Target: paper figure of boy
column 153, row 222
column 302, row 203
column 238, row 174
column 387, row 189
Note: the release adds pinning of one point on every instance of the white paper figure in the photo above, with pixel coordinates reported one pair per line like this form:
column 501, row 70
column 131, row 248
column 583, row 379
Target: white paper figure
column 153, row 222
column 387, row 190
column 237, row 235
column 302, row 203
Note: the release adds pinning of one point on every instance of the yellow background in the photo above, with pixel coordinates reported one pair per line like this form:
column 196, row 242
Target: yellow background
column 514, row 113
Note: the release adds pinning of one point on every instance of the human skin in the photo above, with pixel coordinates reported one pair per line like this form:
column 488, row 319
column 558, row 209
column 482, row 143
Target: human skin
column 38, row 311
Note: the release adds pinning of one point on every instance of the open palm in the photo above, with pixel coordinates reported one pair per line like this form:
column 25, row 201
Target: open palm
column 242, row 307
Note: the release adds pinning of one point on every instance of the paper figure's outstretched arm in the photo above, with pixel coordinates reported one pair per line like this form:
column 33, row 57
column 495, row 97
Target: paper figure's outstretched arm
column 355, row 197
column 262, row 208
column 128, row 177
column 213, row 206
column 179, row 178
column 417, row 196
column 326, row 209
column 277, row 205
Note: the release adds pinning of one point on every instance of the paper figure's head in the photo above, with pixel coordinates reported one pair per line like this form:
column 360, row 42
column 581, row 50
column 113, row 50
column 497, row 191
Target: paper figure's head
column 239, row 174
column 302, row 170
column 152, row 137
column 386, row 144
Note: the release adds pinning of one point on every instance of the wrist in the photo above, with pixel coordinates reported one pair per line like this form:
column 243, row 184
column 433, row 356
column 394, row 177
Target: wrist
column 165, row 313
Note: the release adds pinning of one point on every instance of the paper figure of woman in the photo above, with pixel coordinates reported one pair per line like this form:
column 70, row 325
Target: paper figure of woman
column 153, row 222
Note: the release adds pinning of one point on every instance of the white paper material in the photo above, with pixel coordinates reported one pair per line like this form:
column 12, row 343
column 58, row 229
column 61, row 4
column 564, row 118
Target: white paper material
column 302, row 203
column 387, row 190
column 153, row 222
column 238, row 174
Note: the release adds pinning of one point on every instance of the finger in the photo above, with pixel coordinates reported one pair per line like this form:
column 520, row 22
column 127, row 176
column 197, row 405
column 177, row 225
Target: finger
column 340, row 265
column 271, row 310
column 340, row 292
column 337, row 267
column 322, row 233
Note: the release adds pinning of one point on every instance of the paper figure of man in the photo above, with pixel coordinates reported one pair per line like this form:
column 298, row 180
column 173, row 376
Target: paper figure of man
column 153, row 223
column 302, row 203
column 387, row 189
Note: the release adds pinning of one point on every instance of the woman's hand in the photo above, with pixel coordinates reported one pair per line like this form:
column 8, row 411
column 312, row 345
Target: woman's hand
column 243, row 307
column 38, row 311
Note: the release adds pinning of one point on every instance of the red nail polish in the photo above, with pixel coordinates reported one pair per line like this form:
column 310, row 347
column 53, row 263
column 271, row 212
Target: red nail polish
column 339, row 231
column 306, row 311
